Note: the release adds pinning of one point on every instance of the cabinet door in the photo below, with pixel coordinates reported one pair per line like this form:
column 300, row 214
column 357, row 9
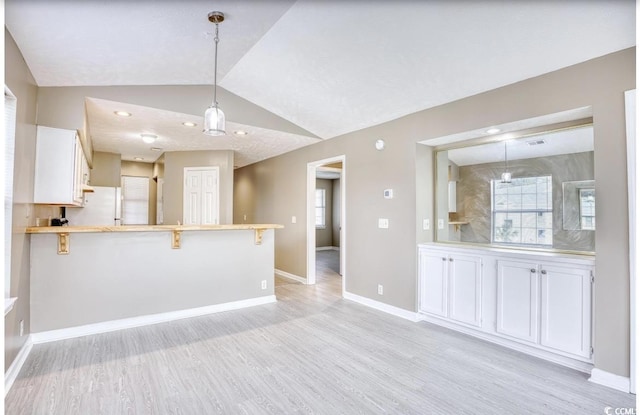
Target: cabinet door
column 566, row 309
column 433, row 283
column 465, row 289
column 518, row 300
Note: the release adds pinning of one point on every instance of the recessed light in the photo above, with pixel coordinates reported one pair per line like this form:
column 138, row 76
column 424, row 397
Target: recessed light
column 380, row 144
column 122, row 113
column 138, row 158
column 240, row 132
column 156, row 149
column 189, row 124
column 148, row 138
column 493, row 130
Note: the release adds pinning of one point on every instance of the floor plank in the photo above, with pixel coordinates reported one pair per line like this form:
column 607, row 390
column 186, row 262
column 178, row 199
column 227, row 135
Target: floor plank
column 310, row 353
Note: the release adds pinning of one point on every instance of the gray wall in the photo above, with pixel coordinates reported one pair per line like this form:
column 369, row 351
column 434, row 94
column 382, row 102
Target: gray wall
column 174, row 164
column 21, row 83
column 138, row 273
column 324, row 236
column 106, row 169
column 388, row 257
column 474, row 195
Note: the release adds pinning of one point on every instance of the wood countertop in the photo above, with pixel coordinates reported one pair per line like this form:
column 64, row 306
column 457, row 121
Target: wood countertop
column 149, row 228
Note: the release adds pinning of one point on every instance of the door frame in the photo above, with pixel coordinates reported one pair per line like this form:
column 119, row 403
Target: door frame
column 311, row 223
column 184, row 189
column 633, row 180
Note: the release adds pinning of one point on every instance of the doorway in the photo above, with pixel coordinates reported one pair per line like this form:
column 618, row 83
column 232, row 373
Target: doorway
column 326, row 218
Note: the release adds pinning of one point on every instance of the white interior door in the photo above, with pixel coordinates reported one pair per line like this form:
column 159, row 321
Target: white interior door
column 201, row 196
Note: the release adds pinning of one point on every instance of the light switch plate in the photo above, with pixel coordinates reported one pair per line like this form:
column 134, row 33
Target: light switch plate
column 425, row 224
column 383, row 223
column 440, row 223
column 293, row 219
column 388, row 193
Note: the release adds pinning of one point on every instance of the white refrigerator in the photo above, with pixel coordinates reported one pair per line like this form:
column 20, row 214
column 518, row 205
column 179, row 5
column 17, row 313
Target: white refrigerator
column 102, row 207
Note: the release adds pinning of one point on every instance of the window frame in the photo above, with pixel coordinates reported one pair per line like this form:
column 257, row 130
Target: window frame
column 548, row 211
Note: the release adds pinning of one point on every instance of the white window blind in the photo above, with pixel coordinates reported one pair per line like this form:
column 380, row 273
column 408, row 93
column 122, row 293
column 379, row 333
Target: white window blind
column 135, row 200
column 320, row 208
column 9, row 149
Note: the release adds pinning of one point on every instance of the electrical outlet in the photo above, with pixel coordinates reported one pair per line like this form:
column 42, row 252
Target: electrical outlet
column 264, row 284
column 440, row 223
column 383, row 223
column 244, row 217
column 425, row 224
column 380, row 289
column 21, row 328
column 294, row 219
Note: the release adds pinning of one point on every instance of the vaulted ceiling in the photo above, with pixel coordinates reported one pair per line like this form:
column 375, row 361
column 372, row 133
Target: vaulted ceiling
column 331, row 67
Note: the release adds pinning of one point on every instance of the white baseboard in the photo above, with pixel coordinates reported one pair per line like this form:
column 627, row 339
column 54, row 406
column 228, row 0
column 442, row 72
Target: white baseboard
column 610, row 380
column 114, row 325
column 12, row 373
column 581, row 366
column 289, row 276
column 327, row 248
column 386, row 308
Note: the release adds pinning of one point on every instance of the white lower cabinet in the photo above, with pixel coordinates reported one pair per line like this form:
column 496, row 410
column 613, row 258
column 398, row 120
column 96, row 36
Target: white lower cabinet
column 565, row 309
column 517, row 300
column 451, row 286
column 522, row 299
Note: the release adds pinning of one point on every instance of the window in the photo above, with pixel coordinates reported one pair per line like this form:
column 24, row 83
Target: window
column 135, row 200
column 588, row 209
column 522, row 211
column 320, row 208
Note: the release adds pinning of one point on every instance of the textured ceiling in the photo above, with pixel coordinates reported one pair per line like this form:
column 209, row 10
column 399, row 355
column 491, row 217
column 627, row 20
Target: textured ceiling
column 329, row 67
column 116, row 134
column 576, row 140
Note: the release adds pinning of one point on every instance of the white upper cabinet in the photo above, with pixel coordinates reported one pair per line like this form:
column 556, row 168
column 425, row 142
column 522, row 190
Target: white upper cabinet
column 61, row 169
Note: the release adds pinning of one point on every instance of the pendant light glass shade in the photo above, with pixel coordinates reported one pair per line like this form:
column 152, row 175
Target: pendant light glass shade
column 214, row 122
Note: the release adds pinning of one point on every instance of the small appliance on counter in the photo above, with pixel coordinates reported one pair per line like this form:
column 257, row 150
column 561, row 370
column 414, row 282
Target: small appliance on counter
column 59, row 221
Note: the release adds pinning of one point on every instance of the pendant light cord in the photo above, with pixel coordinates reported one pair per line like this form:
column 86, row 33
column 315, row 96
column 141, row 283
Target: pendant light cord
column 215, row 71
column 505, row 156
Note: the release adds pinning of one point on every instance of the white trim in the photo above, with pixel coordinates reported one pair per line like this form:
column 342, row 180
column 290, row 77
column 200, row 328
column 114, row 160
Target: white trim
column 581, row 366
column 327, row 248
column 311, row 228
column 8, row 304
column 11, row 374
column 385, row 308
column 289, row 276
column 633, row 182
column 609, row 380
column 126, row 323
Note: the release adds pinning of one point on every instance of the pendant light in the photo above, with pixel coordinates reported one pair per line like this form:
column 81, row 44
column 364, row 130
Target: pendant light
column 506, row 176
column 214, row 122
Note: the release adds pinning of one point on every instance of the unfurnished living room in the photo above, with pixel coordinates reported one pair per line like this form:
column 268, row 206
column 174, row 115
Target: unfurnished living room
column 319, row 206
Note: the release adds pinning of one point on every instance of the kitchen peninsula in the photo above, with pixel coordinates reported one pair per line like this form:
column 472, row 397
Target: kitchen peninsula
column 89, row 279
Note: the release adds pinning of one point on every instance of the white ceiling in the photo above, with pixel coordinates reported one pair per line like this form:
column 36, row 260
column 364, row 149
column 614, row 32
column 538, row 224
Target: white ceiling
column 330, row 67
column 576, row 140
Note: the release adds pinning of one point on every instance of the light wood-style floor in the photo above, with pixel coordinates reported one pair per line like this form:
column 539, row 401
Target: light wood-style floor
column 312, row 353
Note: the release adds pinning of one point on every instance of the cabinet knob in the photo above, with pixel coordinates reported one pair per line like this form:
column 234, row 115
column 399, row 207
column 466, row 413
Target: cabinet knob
column 543, row 272
column 450, row 259
column 533, row 270
column 444, row 259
